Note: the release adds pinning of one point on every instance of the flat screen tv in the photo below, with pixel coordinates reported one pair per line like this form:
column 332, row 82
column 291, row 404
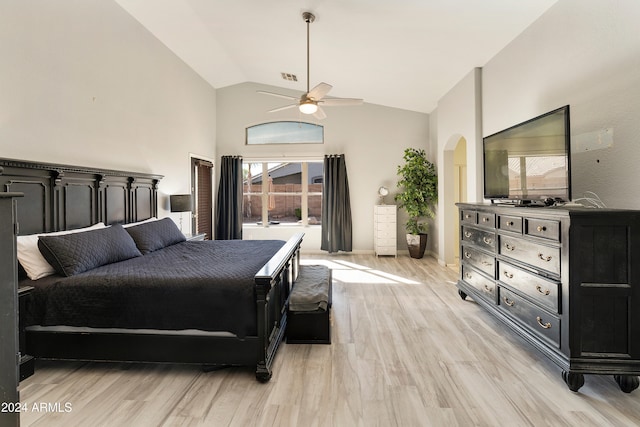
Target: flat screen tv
column 529, row 163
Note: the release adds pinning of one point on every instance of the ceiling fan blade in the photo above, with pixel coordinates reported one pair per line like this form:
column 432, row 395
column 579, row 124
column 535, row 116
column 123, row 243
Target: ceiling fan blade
column 277, row 94
column 340, row 102
column 286, row 107
column 319, row 91
column 319, row 114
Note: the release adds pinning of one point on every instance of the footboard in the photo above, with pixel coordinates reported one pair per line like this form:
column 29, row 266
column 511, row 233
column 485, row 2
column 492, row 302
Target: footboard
column 273, row 283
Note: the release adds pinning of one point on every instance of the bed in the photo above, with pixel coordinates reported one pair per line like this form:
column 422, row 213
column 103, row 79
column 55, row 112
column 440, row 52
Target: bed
column 164, row 299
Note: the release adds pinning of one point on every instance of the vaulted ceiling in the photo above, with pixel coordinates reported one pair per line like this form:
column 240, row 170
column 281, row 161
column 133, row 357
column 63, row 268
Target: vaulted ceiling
column 403, row 53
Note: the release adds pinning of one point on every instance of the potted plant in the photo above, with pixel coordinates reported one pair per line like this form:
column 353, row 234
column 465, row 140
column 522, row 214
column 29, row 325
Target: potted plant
column 418, row 186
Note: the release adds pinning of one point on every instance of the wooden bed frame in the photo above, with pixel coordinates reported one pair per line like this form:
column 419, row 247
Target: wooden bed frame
column 62, row 197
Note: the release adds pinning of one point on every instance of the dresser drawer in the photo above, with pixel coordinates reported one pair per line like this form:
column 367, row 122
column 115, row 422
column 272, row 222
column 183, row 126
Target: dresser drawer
column 386, row 250
column 540, row 256
column 532, row 317
column 385, row 209
column 479, row 260
column 385, row 232
column 385, row 225
column 481, row 238
column 386, row 241
column 487, row 219
column 384, row 214
column 543, row 292
column 385, row 219
column 510, row 223
column 485, row 286
column 544, row 228
column 469, row 217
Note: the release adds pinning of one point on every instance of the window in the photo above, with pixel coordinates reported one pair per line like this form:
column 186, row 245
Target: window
column 285, row 133
column 282, row 193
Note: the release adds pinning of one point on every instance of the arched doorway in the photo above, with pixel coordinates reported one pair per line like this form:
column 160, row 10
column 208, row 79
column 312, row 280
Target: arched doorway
column 453, row 190
column 460, row 189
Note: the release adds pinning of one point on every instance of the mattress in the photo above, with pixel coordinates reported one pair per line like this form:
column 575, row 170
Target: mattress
column 202, row 285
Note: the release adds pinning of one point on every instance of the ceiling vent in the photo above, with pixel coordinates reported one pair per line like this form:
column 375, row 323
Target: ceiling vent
column 289, row 77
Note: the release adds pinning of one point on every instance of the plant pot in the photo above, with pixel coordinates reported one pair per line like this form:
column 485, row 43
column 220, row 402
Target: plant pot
column 417, row 244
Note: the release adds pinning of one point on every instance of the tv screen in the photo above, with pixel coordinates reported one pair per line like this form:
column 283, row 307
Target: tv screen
column 530, row 162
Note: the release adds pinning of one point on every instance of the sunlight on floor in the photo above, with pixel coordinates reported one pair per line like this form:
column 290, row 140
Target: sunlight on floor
column 348, row 272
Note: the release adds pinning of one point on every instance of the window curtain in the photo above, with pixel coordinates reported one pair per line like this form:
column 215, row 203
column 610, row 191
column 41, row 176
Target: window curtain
column 336, row 206
column 229, row 206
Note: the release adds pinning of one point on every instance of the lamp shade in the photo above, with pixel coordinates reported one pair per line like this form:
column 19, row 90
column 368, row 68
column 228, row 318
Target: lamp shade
column 180, row 202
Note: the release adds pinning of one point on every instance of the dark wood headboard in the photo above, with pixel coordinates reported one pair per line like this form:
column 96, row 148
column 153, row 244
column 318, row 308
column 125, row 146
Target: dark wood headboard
column 63, row 197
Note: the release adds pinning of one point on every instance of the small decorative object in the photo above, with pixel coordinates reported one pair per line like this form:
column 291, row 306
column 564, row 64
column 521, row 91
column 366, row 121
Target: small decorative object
column 418, row 186
column 382, row 192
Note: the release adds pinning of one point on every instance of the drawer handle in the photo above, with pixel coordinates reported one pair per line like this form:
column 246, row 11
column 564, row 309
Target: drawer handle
column 509, row 223
column 543, row 325
column 508, row 275
column 468, row 276
column 467, row 216
column 485, row 219
column 467, row 234
column 541, row 228
column 544, row 258
column 545, row 292
column 488, row 289
column 510, row 246
column 508, row 301
column 467, row 255
column 487, row 240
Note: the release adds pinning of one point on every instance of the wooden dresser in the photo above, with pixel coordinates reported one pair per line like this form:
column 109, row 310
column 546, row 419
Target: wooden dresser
column 385, row 241
column 564, row 279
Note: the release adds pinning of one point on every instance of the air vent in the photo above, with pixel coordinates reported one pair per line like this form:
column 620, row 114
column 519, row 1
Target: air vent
column 289, row 77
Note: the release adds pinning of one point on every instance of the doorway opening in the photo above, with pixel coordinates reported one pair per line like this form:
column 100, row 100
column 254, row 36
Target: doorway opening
column 460, row 190
column 454, row 190
column 202, row 194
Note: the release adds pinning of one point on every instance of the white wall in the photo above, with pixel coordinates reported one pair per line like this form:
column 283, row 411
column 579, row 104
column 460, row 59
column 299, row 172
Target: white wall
column 372, row 137
column 83, row 83
column 459, row 116
column 585, row 53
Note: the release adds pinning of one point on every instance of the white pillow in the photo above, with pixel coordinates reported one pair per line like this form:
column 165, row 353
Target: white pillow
column 131, row 224
column 32, row 260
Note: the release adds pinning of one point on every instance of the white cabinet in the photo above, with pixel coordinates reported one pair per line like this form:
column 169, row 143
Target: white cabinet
column 385, row 230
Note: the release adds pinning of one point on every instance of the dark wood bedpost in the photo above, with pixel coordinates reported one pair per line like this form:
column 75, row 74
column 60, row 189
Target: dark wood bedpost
column 263, row 371
column 9, row 350
column 273, row 284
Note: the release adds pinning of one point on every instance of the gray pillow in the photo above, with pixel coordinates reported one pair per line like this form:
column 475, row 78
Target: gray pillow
column 154, row 235
column 71, row 254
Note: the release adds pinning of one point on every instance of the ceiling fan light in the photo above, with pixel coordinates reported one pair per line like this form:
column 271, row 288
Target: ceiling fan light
column 308, row 107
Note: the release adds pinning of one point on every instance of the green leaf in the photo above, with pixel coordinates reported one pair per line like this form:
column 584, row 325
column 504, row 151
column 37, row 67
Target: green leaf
column 418, row 185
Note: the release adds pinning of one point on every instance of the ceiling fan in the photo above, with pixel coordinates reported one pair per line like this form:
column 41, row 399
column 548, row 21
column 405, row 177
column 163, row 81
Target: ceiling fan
column 312, row 100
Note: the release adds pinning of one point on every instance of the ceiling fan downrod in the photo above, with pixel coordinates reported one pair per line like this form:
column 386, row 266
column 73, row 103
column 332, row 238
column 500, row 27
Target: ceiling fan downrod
column 308, row 17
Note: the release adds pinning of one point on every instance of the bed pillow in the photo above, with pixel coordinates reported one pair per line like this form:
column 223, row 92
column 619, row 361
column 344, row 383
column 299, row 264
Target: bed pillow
column 155, row 235
column 75, row 253
column 32, row 260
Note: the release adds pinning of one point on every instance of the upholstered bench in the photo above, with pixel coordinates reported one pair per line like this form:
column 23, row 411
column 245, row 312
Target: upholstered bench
column 309, row 306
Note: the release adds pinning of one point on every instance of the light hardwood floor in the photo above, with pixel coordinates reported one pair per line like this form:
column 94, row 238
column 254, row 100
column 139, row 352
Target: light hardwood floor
column 406, row 351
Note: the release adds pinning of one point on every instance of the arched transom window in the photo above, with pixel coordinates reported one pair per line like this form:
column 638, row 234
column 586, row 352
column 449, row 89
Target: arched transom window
column 285, row 133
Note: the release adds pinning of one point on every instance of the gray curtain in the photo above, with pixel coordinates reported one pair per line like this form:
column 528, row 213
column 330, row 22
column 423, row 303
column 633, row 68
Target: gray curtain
column 336, row 206
column 229, row 206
